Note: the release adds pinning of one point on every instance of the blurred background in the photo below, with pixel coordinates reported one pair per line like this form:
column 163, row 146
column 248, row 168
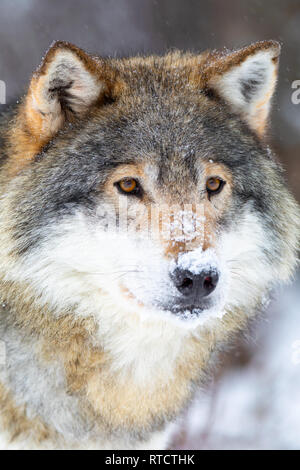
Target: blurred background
column 254, row 399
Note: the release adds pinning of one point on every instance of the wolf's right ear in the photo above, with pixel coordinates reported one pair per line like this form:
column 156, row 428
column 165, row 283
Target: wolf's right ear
column 66, row 85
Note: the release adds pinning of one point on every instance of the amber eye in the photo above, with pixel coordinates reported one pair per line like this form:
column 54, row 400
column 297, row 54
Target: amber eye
column 214, row 185
column 129, row 186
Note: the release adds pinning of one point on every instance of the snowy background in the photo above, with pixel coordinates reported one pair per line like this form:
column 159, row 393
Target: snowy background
column 254, row 400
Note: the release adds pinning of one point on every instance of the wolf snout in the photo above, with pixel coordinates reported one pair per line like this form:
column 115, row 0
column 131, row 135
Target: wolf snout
column 195, row 285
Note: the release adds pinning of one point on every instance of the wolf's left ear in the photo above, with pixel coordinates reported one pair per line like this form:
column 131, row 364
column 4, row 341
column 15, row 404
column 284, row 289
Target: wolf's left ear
column 246, row 80
column 67, row 84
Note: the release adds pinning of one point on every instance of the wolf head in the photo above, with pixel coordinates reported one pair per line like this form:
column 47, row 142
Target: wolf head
column 148, row 182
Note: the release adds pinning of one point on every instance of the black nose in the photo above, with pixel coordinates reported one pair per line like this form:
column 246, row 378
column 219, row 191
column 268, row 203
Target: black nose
column 195, row 285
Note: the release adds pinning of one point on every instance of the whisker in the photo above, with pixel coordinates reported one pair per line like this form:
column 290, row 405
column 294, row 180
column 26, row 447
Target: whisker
column 108, row 273
column 123, row 274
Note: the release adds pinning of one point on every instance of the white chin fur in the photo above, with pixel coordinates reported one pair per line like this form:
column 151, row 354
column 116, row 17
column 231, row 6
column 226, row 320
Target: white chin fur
column 81, row 265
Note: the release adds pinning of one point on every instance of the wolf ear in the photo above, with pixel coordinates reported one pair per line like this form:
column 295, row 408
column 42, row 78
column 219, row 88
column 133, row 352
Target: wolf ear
column 246, row 80
column 64, row 88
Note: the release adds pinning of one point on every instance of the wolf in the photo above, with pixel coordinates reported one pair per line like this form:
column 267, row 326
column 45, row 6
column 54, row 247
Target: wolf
column 144, row 222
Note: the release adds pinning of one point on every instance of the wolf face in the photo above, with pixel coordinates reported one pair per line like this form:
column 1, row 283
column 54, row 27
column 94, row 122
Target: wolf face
column 158, row 191
column 143, row 221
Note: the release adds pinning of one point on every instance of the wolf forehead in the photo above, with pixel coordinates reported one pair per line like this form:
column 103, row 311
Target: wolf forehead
column 72, row 173
column 159, row 123
column 83, row 117
column 170, row 136
column 171, row 143
column 158, row 116
column 171, row 108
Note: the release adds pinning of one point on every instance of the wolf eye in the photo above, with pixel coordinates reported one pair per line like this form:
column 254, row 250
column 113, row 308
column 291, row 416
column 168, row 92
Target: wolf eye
column 214, row 185
column 129, row 186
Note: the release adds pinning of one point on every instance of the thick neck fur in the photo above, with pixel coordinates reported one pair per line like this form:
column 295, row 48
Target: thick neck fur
column 85, row 392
